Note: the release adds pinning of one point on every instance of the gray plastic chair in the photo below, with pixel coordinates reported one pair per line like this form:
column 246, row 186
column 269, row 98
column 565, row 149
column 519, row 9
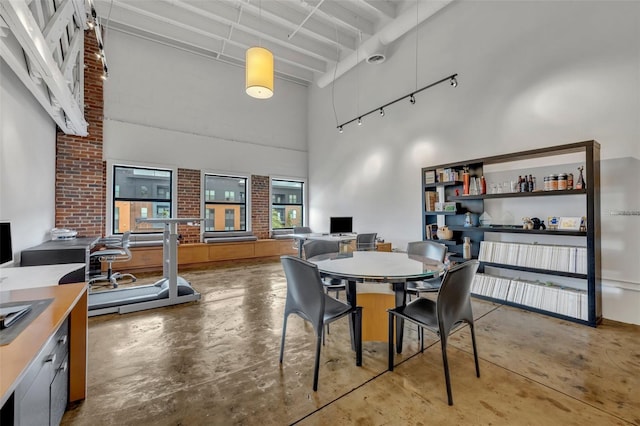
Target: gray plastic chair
column 301, row 230
column 431, row 250
column 116, row 250
column 451, row 309
column 366, row 242
column 313, row 248
column 306, row 298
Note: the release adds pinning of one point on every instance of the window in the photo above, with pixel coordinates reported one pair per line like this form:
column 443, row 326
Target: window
column 224, row 203
column 140, row 193
column 286, row 204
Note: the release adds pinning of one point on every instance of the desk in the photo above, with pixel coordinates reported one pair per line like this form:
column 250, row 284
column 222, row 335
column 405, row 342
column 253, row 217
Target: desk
column 170, row 263
column 342, row 238
column 35, row 276
column 76, row 250
column 69, row 301
column 374, row 266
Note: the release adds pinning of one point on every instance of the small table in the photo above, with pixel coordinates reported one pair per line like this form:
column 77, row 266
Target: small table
column 342, row 238
column 382, row 267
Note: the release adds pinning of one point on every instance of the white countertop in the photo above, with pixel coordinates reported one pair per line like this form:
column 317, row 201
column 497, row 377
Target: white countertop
column 15, row 278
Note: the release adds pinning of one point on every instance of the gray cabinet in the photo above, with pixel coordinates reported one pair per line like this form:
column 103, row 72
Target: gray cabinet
column 41, row 398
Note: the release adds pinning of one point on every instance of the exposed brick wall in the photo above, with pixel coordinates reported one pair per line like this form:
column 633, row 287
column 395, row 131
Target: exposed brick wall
column 260, row 206
column 80, row 176
column 81, row 172
column 189, row 193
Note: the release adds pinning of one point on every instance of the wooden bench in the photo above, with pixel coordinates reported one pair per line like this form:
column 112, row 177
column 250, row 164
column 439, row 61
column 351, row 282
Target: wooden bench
column 147, row 259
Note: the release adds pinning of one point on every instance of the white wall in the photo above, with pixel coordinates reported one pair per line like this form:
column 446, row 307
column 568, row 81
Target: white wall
column 170, row 107
column 27, row 164
column 531, row 74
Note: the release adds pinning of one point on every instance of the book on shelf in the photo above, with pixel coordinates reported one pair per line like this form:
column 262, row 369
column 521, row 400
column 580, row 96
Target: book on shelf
column 544, row 296
column 430, row 200
column 537, row 256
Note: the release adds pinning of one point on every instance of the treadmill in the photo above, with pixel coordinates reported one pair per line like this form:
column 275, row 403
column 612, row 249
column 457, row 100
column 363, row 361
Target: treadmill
column 169, row 290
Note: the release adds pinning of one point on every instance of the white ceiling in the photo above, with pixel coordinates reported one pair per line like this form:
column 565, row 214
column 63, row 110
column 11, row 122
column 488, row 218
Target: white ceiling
column 309, row 38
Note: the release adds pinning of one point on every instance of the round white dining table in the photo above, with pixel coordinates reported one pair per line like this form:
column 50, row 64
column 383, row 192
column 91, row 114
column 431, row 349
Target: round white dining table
column 374, row 266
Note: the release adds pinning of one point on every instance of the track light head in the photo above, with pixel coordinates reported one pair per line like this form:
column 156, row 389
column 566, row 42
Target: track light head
column 359, row 121
column 454, row 82
column 340, row 129
column 382, row 112
column 412, row 99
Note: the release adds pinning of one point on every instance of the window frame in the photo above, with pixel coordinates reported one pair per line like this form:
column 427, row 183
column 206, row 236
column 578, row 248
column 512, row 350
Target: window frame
column 221, row 205
column 111, row 193
column 302, row 203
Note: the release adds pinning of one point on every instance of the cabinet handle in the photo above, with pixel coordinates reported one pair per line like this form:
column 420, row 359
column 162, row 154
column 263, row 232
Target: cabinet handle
column 51, row 358
column 63, row 340
column 63, row 367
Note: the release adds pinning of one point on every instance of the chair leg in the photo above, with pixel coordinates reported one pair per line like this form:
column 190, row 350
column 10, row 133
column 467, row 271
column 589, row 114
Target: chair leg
column 475, row 350
column 421, row 337
column 316, row 368
column 443, row 343
column 284, row 331
column 391, row 342
column 358, row 334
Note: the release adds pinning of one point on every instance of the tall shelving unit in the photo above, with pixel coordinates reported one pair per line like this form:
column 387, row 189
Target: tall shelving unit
column 589, row 281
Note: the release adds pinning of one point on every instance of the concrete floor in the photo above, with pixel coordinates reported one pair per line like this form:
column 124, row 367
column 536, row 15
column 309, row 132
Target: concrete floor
column 215, row 362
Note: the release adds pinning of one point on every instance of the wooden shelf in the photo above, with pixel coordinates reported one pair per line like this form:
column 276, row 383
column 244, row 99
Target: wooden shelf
column 535, row 270
column 514, row 230
column 588, row 200
column 518, row 195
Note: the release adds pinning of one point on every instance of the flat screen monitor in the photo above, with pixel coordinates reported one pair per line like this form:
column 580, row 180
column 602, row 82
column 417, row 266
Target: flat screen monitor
column 6, row 249
column 340, row 225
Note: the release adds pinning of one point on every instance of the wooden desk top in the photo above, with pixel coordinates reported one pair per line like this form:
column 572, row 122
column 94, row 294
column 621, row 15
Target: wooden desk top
column 17, row 355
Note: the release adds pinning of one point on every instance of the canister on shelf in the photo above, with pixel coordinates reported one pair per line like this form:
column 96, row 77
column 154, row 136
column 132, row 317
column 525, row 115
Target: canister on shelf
column 553, row 183
column 562, row 181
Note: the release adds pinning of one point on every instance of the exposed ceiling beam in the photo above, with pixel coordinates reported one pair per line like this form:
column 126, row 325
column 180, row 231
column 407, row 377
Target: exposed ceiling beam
column 25, row 29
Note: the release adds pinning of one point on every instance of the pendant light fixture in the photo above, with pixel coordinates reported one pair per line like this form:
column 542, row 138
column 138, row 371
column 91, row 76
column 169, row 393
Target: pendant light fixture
column 259, row 71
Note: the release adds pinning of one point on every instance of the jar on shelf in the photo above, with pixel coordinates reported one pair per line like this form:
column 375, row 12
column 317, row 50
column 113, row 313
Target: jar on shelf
column 562, row 181
column 553, row 183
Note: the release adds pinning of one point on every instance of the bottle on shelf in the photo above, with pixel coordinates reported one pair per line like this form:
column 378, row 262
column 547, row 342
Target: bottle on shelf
column 483, row 185
column 466, row 248
column 465, row 183
column 580, row 183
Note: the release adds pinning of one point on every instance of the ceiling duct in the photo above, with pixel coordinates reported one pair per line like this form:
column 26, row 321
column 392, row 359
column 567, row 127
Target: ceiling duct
column 387, row 35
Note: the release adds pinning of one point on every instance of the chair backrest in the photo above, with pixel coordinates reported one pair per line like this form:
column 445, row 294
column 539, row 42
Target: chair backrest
column 305, row 292
column 314, row 248
column 366, row 241
column 301, row 230
column 428, row 249
column 454, row 296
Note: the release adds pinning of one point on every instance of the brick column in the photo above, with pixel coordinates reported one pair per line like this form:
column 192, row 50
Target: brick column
column 80, row 171
column 260, row 211
column 189, row 193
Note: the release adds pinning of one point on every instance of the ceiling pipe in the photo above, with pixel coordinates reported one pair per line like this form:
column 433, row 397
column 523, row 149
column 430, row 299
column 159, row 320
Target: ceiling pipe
column 387, row 35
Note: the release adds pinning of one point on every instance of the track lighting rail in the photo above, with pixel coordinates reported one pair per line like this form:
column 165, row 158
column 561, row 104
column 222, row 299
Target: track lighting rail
column 411, row 96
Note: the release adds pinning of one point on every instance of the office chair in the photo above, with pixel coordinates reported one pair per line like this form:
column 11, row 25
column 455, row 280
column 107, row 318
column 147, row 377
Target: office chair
column 451, row 309
column 366, row 242
column 306, row 298
column 116, row 249
column 430, row 250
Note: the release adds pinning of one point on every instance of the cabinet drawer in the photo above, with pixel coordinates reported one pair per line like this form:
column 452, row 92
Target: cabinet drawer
column 58, row 392
column 50, row 358
column 61, row 345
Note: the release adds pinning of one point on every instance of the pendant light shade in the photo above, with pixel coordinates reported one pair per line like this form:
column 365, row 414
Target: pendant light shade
column 259, row 81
